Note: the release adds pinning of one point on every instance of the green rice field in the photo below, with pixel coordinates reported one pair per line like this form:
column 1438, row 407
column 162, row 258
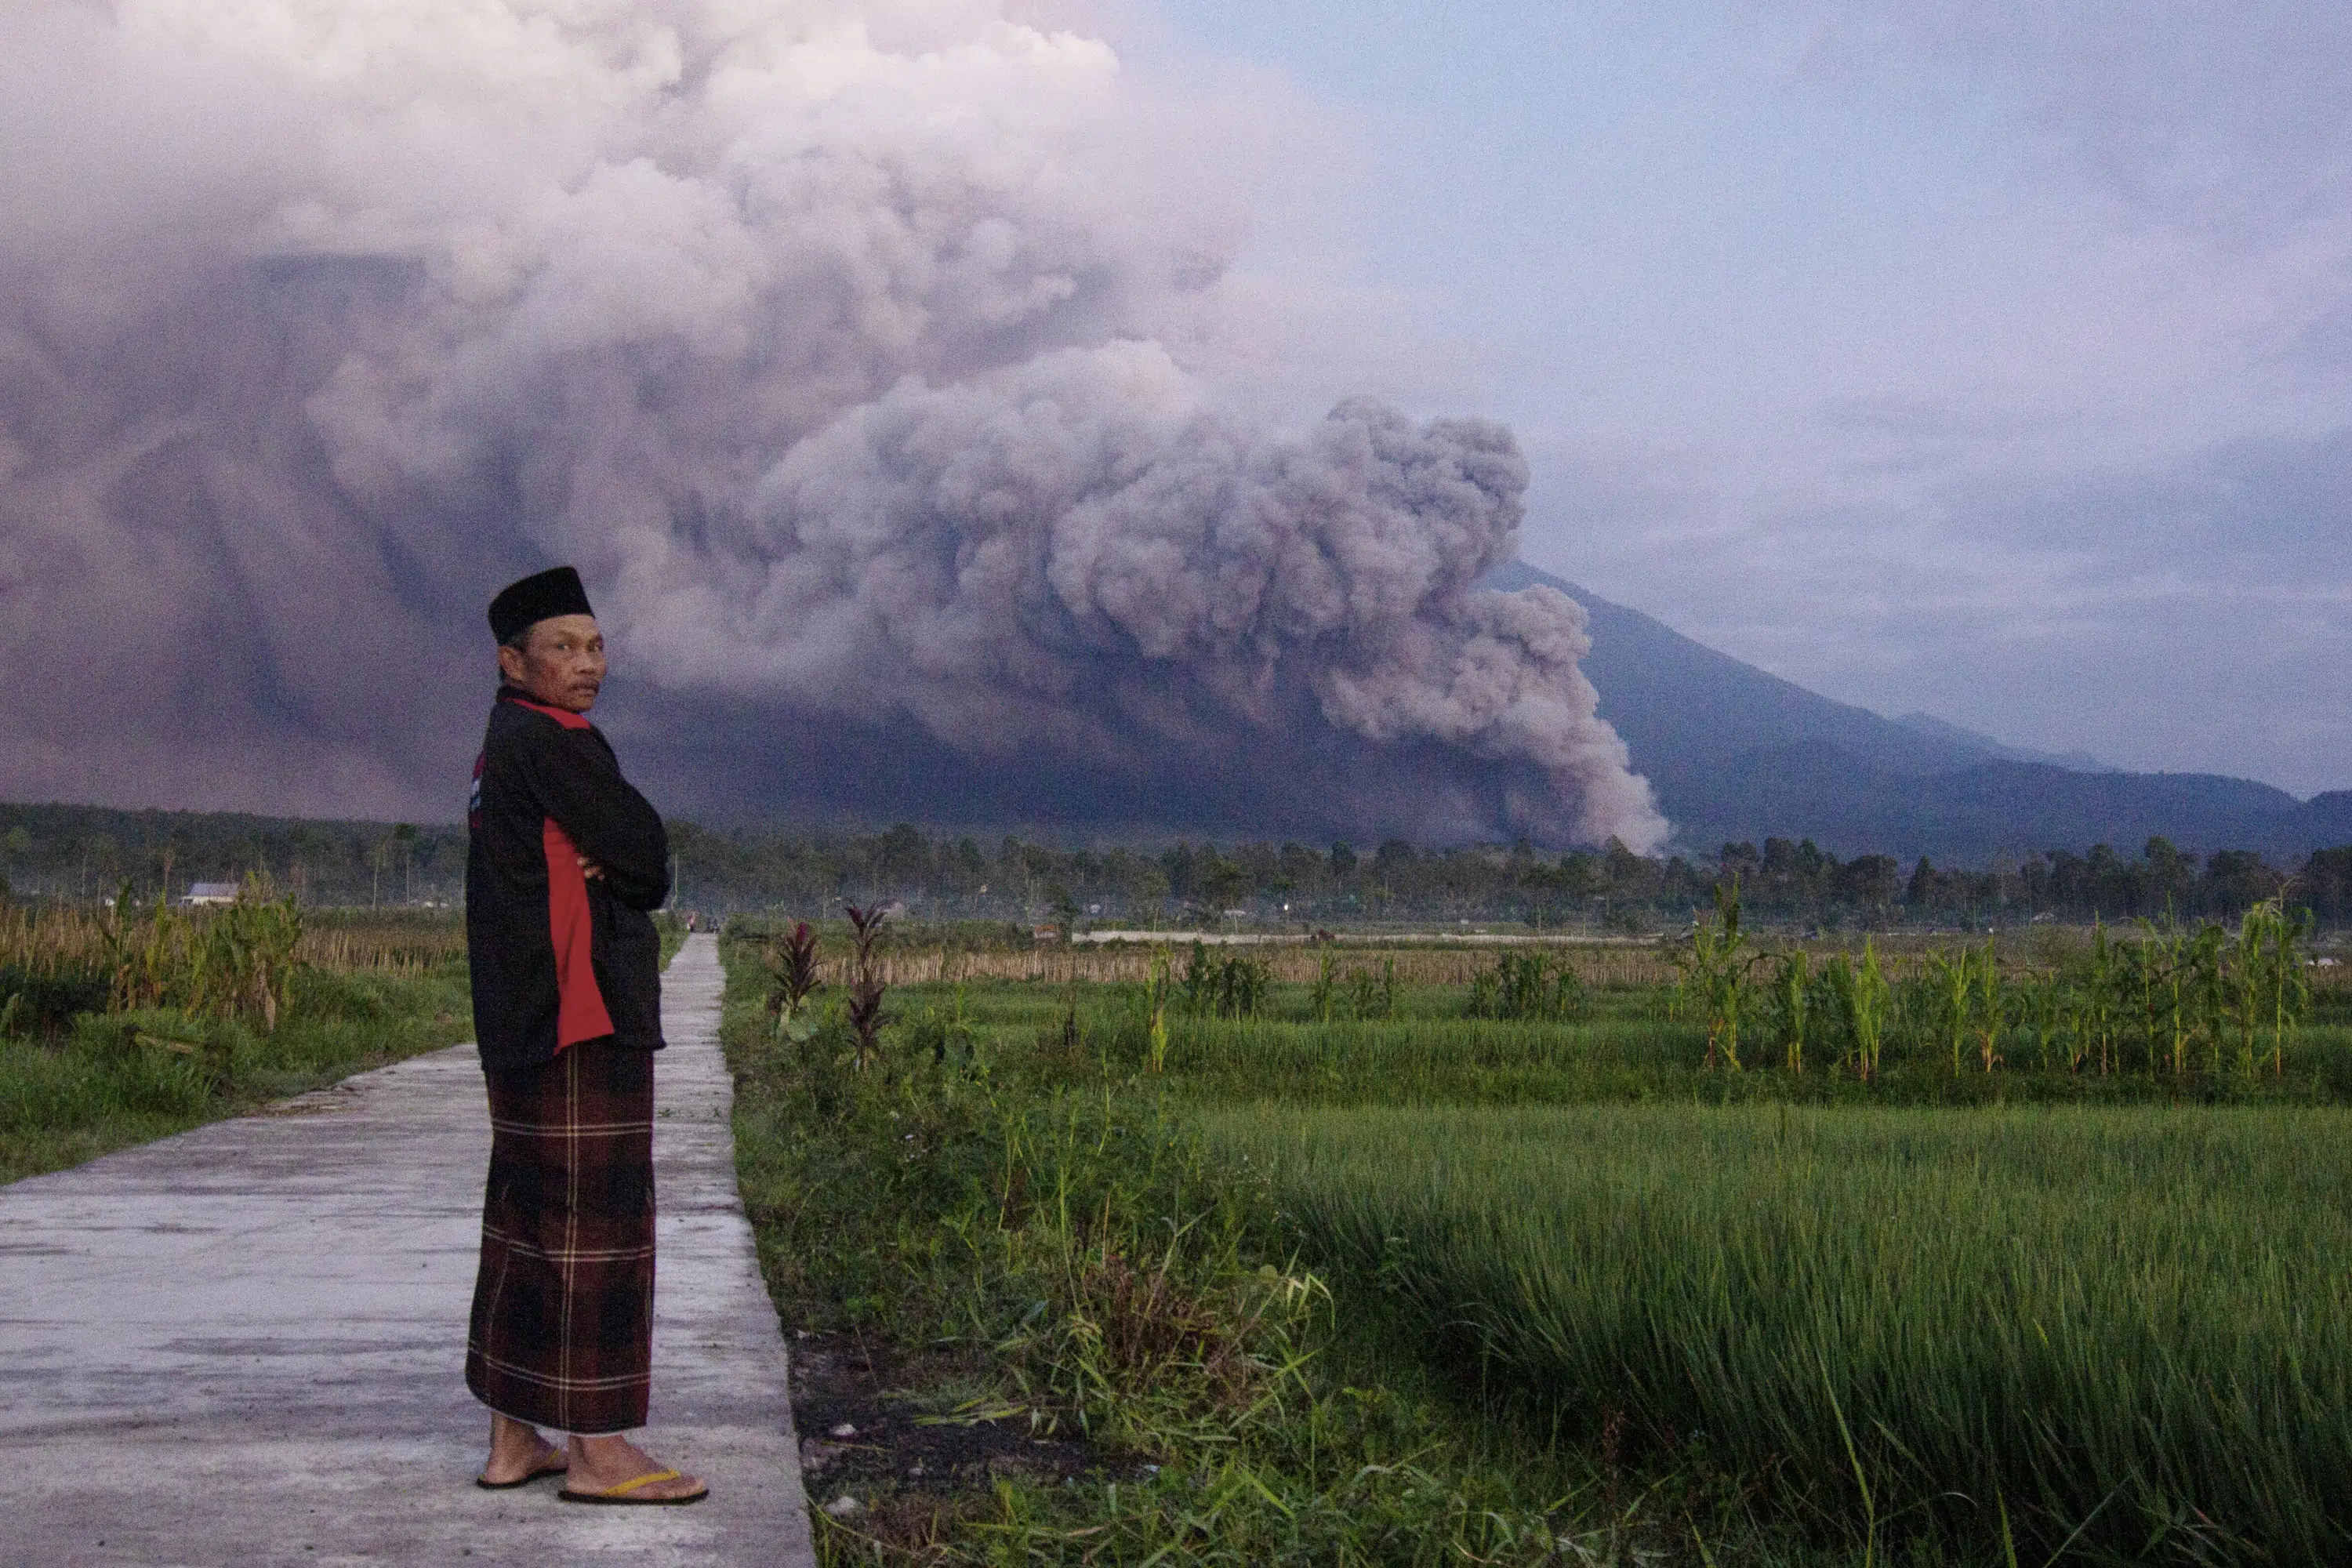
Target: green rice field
column 1954, row 1254
column 2067, row 1327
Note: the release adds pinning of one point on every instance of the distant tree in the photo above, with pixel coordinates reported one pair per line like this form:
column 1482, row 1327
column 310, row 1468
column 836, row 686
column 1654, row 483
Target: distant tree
column 2323, row 886
column 1630, row 876
column 1301, row 869
column 1870, row 881
column 1223, row 881
column 1148, row 887
column 2234, row 880
column 1176, row 863
column 2169, row 874
column 1064, row 907
column 404, row 836
column 903, row 857
column 1580, row 874
column 970, row 864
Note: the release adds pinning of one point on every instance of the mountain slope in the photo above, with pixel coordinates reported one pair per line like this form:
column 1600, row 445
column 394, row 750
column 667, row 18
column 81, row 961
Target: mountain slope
column 2079, row 761
column 1675, row 698
column 1736, row 752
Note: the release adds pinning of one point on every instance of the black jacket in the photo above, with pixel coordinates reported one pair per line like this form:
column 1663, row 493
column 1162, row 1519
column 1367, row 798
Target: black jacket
column 559, row 957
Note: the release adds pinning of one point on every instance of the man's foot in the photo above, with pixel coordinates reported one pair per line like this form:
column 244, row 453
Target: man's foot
column 517, row 1454
column 610, row 1469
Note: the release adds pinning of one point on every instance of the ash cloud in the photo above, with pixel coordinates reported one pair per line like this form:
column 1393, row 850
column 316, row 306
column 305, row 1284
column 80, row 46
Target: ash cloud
column 854, row 351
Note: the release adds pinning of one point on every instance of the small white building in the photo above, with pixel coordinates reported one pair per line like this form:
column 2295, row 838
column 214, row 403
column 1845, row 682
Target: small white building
column 210, row 893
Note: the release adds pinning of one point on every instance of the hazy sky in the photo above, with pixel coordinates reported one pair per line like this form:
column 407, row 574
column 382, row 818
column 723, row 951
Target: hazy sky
column 1990, row 360
column 883, row 365
column 926, row 363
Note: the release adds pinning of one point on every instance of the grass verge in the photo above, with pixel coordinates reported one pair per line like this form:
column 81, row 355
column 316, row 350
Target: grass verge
column 1373, row 1278
column 985, row 1232
column 110, row 1081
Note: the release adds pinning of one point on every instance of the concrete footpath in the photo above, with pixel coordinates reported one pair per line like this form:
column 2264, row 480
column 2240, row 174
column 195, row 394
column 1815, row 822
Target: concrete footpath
column 246, row 1345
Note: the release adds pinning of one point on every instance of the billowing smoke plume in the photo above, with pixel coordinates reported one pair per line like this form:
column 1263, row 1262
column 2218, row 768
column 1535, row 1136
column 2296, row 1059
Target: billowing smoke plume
column 877, row 363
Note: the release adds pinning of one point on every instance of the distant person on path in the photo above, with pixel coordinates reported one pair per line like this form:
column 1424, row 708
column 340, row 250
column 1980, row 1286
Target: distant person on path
column 566, row 863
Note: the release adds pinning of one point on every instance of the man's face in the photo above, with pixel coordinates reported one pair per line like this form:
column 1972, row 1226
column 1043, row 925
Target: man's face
column 561, row 663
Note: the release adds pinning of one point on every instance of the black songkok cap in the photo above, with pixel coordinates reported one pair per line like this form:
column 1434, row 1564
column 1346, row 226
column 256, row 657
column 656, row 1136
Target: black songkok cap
column 523, row 606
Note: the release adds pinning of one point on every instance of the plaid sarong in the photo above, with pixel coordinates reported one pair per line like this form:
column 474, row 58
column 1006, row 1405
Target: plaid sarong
column 563, row 1307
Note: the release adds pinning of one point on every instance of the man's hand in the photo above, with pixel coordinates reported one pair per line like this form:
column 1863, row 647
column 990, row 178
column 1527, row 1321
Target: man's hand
column 588, row 867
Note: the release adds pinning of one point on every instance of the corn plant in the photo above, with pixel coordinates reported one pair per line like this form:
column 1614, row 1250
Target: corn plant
column 1863, row 999
column 1244, row 984
column 1529, row 985
column 1952, row 984
column 1372, row 997
column 2046, row 1010
column 1989, row 1010
column 2098, row 997
column 1792, row 997
column 2138, row 985
column 1716, row 966
column 1233, row 985
column 2270, row 951
column 2176, row 990
column 237, row 962
column 2209, row 981
column 256, row 937
column 1322, row 998
column 2164, row 998
column 1199, row 980
column 1155, row 1011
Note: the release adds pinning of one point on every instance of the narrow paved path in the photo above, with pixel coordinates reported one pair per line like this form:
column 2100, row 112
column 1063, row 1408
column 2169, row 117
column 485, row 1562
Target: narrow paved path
column 245, row 1345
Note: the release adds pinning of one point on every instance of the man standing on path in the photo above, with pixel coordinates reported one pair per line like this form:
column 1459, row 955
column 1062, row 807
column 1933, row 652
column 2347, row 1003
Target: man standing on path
column 566, row 863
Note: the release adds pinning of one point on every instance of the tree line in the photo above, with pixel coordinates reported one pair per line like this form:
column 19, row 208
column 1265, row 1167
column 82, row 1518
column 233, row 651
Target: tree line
column 82, row 853
column 950, row 877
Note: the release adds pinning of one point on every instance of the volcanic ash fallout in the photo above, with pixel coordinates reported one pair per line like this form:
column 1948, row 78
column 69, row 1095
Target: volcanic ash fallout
column 882, row 367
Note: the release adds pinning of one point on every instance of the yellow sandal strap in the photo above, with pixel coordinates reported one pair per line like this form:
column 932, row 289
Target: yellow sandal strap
column 645, row 1480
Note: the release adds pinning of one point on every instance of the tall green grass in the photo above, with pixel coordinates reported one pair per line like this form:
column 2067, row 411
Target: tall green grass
column 2051, row 1327
column 1426, row 1059
column 2021, row 1309
column 109, row 1080
column 1626, row 1048
column 974, row 1190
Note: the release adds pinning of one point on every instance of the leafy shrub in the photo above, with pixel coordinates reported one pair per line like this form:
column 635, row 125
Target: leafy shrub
column 217, row 1053
column 1225, row 986
column 1528, row 985
column 45, row 1003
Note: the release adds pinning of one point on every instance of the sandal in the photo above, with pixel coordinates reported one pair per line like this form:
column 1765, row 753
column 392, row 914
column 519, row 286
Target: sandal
column 552, row 1463
column 625, row 1492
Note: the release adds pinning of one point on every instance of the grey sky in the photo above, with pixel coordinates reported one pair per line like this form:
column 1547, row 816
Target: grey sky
column 1990, row 362
column 880, row 364
column 1986, row 359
